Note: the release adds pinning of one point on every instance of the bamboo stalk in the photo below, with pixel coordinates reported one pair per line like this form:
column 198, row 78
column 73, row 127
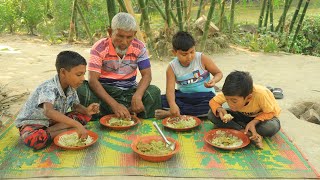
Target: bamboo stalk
column 174, row 19
column 72, row 22
column 206, row 27
column 85, row 23
column 185, row 10
column 295, row 15
column 267, row 15
column 300, row 23
column 180, row 24
column 146, row 5
column 261, row 13
column 159, row 9
column 130, row 10
column 282, row 19
column 199, row 9
column 111, row 5
column 168, row 10
column 146, row 23
column 221, row 14
column 122, row 6
column 233, row 3
column 189, row 15
column 271, row 16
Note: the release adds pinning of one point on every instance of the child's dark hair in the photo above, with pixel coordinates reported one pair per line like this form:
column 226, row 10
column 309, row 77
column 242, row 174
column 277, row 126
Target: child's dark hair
column 183, row 41
column 68, row 60
column 238, row 83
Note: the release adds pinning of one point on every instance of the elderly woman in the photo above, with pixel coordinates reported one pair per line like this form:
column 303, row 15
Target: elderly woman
column 112, row 73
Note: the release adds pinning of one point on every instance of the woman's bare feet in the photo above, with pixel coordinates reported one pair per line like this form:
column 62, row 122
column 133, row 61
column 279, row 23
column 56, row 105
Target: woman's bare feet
column 161, row 114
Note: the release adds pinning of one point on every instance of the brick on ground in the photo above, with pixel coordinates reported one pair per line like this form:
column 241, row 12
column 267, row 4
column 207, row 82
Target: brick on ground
column 298, row 109
column 312, row 116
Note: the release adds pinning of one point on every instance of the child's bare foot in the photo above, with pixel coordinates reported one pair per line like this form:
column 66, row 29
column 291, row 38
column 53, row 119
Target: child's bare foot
column 258, row 142
column 161, row 114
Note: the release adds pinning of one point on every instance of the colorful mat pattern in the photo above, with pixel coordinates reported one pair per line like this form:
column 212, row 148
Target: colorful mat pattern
column 112, row 155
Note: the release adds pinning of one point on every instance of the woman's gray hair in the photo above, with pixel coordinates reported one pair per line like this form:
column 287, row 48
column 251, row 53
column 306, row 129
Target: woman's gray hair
column 123, row 21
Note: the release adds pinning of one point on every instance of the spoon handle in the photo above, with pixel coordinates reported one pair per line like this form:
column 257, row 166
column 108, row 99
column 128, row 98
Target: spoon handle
column 159, row 130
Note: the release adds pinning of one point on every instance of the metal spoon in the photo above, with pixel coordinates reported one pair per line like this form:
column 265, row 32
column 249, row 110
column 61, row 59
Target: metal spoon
column 169, row 144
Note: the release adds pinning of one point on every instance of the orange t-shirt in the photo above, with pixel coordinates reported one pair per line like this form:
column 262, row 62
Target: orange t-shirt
column 262, row 106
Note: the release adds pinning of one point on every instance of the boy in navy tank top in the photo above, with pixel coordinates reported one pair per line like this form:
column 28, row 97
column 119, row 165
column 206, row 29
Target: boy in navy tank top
column 195, row 76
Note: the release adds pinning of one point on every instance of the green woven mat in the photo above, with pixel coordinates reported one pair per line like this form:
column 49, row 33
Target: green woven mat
column 112, row 155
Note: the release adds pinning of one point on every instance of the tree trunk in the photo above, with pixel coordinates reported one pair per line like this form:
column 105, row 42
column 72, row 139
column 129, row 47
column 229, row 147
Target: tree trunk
column 85, row 23
column 72, row 22
column 300, row 23
column 206, row 27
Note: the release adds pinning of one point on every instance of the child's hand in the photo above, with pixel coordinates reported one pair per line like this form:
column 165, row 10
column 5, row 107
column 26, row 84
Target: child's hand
column 93, row 108
column 175, row 110
column 82, row 132
column 210, row 83
column 223, row 114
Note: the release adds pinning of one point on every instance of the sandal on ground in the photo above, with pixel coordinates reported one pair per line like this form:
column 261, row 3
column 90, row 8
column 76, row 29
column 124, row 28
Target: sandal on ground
column 278, row 93
column 270, row 88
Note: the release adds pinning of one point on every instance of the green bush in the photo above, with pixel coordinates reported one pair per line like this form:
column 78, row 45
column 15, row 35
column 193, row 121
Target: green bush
column 32, row 13
column 8, row 15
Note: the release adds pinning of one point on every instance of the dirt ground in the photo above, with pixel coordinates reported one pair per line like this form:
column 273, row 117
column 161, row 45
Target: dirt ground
column 27, row 61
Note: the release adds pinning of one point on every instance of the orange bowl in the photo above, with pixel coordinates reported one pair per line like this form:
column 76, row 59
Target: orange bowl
column 105, row 122
column 90, row 133
column 170, row 119
column 210, row 135
column 154, row 158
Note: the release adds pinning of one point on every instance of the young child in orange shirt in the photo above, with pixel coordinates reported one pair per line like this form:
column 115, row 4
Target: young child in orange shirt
column 253, row 108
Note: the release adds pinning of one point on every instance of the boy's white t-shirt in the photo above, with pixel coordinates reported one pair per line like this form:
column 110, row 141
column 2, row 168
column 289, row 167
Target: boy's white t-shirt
column 191, row 79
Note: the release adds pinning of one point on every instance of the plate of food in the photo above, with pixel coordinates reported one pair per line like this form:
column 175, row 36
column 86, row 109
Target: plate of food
column 181, row 123
column 229, row 139
column 113, row 122
column 70, row 140
column 154, row 149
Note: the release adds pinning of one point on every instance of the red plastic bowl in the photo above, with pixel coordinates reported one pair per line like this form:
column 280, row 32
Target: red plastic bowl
column 90, row 133
column 154, row 158
column 168, row 119
column 212, row 134
column 105, row 122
